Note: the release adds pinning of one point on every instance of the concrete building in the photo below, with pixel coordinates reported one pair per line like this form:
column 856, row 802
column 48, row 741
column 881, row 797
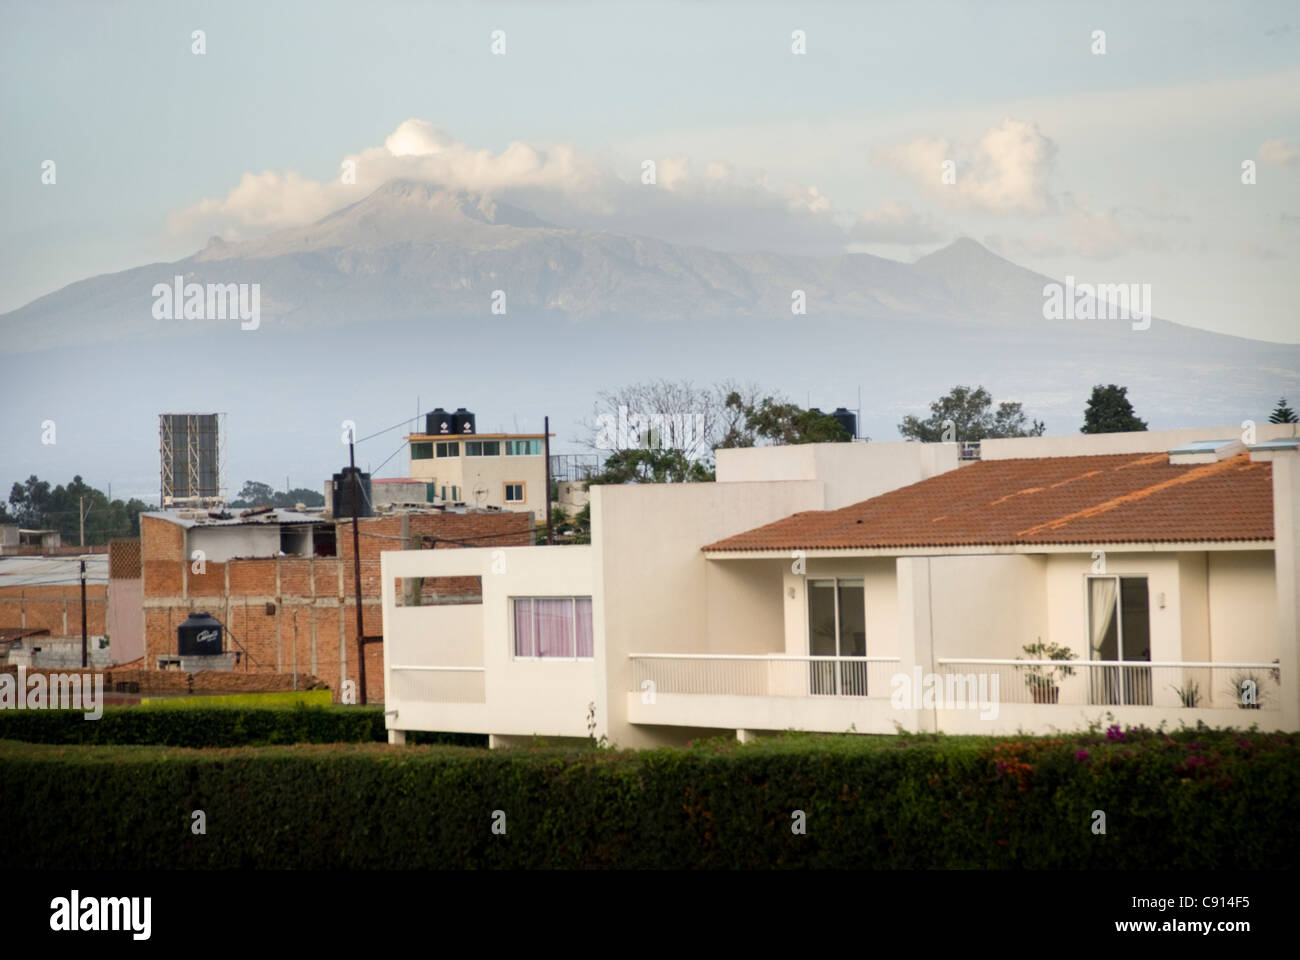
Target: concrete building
column 502, row 470
column 1035, row 584
column 17, row 540
column 43, row 594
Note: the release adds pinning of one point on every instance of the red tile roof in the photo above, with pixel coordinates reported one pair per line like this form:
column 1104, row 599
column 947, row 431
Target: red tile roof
column 1117, row 498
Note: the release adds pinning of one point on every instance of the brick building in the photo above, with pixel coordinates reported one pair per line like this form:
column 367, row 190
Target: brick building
column 45, row 593
column 282, row 582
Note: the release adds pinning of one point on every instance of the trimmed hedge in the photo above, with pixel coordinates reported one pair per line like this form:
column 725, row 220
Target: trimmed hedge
column 186, row 726
column 1194, row 800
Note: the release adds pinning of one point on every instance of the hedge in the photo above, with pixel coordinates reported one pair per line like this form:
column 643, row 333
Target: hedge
column 212, row 726
column 1197, row 800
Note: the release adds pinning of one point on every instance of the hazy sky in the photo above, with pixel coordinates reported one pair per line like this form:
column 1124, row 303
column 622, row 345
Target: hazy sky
column 1119, row 167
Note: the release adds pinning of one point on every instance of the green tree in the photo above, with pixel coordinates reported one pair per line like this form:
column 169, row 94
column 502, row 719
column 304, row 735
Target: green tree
column 63, row 508
column 650, row 465
column 1109, row 411
column 1283, row 413
column 255, row 494
column 778, row 422
column 966, row 414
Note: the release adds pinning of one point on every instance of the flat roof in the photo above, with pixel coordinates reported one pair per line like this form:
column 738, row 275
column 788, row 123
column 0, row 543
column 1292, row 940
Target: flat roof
column 477, row 436
column 52, row 571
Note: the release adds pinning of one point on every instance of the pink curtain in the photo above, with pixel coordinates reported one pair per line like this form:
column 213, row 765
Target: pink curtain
column 582, row 607
column 525, row 631
column 554, row 627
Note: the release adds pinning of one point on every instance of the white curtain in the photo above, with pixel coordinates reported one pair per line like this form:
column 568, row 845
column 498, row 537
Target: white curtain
column 1103, row 611
column 582, row 606
column 554, row 627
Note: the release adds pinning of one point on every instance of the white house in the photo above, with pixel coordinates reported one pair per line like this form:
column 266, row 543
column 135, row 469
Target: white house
column 879, row 586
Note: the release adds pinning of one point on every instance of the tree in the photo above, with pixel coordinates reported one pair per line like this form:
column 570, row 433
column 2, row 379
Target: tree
column 779, row 422
column 648, row 465
column 64, row 508
column 255, row 494
column 1109, row 411
column 966, row 414
column 1283, row 413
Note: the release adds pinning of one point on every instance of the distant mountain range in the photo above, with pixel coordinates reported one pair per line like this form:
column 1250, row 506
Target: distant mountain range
column 392, row 297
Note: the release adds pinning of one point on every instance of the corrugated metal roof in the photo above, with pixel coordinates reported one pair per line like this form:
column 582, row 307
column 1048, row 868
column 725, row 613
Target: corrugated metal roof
column 52, row 571
column 277, row 517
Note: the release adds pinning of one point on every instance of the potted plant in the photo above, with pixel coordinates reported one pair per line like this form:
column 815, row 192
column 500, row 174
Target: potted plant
column 1247, row 688
column 1041, row 679
column 1189, row 693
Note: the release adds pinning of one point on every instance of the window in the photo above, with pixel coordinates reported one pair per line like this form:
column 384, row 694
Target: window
column 1119, row 627
column 553, row 627
column 449, row 448
column 523, row 448
column 482, row 448
column 455, row 493
column 422, row 451
column 837, row 627
column 514, row 493
column 443, row 495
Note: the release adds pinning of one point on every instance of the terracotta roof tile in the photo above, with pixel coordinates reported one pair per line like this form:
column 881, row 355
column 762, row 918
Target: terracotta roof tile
column 1116, row 498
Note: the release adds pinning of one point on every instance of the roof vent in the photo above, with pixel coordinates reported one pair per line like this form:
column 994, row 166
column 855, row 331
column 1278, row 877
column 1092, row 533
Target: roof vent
column 1205, row 451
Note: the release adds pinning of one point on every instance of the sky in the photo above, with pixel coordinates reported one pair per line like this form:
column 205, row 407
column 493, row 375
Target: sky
column 1117, row 166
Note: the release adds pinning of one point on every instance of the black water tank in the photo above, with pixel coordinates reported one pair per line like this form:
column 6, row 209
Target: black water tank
column 199, row 634
column 463, row 421
column 439, row 421
column 341, row 494
column 846, row 419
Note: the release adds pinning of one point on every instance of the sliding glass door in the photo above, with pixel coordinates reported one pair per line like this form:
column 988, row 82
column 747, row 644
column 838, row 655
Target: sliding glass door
column 1119, row 629
column 837, row 627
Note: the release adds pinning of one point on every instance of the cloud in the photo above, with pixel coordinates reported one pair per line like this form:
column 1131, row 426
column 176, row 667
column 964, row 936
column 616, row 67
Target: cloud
column 1279, row 152
column 893, row 223
column 1095, row 234
column 1005, row 172
column 711, row 205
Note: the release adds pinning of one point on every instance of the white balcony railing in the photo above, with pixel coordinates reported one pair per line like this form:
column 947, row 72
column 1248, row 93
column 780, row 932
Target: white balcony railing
column 1124, row 683
column 437, row 684
column 774, row 675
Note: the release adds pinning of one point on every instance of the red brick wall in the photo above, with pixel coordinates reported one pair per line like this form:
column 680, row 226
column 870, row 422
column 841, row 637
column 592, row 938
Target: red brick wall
column 307, row 593
column 45, row 607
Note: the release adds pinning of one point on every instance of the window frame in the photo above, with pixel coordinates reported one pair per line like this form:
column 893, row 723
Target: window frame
column 573, row 633
column 523, row 491
column 512, row 451
column 422, row 445
column 446, row 449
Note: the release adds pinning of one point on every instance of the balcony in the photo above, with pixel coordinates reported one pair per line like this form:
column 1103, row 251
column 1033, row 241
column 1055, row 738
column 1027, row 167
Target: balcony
column 976, row 696
column 765, row 692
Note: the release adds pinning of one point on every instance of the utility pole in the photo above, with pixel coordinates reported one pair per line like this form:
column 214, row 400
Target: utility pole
column 83, row 614
column 356, row 568
column 81, row 520
column 546, row 448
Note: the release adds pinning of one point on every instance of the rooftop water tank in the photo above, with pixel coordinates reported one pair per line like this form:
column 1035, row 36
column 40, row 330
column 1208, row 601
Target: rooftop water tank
column 439, row 421
column 847, row 419
column 199, row 634
column 462, row 421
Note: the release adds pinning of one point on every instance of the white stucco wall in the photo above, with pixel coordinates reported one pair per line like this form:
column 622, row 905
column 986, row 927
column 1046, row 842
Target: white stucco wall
column 220, row 544
column 1242, row 603
column 541, row 697
column 851, row 472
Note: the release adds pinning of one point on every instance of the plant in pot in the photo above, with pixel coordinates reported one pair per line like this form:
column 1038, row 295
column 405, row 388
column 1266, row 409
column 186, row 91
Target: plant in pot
column 1189, row 693
column 1247, row 688
column 1042, row 680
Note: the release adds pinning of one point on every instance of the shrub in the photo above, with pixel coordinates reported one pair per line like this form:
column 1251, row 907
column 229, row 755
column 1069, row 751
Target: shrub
column 1193, row 800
